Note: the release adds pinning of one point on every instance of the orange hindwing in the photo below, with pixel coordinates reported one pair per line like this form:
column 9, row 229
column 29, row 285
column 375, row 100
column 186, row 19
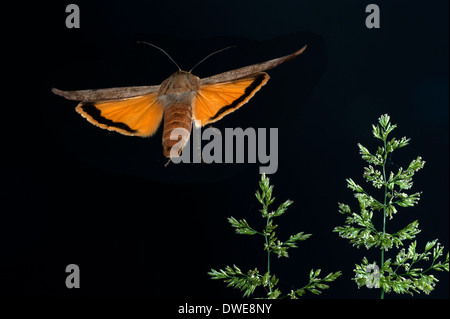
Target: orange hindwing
column 214, row 101
column 137, row 116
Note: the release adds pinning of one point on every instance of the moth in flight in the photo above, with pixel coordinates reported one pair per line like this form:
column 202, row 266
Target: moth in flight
column 181, row 99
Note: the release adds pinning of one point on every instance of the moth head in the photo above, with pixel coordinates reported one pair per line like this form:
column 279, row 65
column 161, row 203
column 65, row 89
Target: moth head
column 180, row 82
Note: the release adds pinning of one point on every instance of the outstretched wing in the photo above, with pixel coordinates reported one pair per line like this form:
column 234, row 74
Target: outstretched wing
column 132, row 111
column 224, row 93
column 107, row 94
column 250, row 69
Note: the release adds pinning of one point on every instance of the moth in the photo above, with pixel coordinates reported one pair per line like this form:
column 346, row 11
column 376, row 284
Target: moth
column 180, row 100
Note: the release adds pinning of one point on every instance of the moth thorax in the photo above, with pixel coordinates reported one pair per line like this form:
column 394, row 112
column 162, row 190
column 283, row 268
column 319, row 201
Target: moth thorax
column 177, row 125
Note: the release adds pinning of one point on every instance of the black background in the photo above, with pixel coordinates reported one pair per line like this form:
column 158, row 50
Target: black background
column 76, row 194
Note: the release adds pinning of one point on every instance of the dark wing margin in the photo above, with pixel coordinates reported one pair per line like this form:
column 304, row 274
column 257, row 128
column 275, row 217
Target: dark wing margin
column 248, row 93
column 94, row 115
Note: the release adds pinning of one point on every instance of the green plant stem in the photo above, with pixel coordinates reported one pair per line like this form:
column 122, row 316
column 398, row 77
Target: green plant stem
column 268, row 252
column 384, row 210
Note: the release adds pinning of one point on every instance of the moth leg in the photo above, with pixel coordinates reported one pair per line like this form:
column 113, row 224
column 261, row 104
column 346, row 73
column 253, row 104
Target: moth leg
column 167, row 163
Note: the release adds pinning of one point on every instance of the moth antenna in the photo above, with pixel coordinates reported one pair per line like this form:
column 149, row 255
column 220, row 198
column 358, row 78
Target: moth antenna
column 157, row 47
column 231, row 46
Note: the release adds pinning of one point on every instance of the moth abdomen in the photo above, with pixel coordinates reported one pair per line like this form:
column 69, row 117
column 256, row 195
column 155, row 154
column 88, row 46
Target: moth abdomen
column 178, row 117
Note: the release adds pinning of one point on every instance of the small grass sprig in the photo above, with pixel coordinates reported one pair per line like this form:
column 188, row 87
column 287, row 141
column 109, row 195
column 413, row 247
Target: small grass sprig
column 248, row 281
column 401, row 274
